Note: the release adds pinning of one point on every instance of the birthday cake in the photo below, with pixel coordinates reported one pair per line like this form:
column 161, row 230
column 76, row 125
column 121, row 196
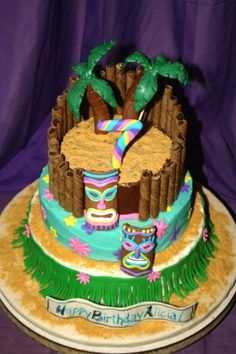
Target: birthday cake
column 116, row 221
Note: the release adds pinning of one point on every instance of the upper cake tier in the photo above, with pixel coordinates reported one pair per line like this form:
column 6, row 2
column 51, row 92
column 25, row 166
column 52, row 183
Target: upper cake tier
column 139, row 166
column 152, row 170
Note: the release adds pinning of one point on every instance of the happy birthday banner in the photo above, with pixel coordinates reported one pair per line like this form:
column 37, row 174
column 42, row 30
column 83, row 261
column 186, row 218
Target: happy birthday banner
column 119, row 317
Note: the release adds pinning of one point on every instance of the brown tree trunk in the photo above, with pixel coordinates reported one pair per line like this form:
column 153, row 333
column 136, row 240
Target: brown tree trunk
column 128, row 110
column 99, row 107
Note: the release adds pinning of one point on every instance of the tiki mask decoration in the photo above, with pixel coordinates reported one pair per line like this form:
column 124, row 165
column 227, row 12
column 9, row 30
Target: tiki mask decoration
column 137, row 254
column 101, row 211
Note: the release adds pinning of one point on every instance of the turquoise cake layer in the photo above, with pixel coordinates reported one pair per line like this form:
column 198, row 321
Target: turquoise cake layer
column 105, row 245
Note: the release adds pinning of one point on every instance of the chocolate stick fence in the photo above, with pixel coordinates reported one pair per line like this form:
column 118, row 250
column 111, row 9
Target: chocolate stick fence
column 164, row 189
column 121, row 86
column 155, row 195
column 78, row 193
column 170, row 167
column 69, row 188
column 61, row 102
column 56, row 161
column 62, row 169
column 145, row 194
column 165, row 108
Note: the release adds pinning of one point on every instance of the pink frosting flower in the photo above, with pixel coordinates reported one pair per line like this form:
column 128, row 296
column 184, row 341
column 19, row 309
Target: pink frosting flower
column 161, row 227
column 83, row 278
column 153, row 276
column 44, row 214
column 81, row 248
column 47, row 194
column 27, row 231
column 205, row 235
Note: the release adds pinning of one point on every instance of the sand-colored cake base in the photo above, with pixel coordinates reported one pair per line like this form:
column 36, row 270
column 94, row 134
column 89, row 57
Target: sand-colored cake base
column 20, row 294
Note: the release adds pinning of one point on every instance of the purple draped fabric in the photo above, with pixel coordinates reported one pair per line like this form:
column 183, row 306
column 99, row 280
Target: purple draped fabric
column 37, row 53
column 41, row 39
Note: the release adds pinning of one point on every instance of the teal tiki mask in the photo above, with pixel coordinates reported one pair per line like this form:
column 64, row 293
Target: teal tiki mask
column 101, row 199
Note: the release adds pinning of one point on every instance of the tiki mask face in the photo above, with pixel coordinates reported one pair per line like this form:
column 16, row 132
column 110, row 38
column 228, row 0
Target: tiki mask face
column 137, row 253
column 101, row 199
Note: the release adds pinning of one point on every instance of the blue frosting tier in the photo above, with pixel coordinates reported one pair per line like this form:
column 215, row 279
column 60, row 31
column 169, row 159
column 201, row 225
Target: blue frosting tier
column 105, row 245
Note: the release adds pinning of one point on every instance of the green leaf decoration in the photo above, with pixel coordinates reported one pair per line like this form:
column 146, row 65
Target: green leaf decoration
column 104, row 90
column 159, row 61
column 174, row 70
column 147, row 86
column 77, row 91
column 140, row 58
column 183, row 76
column 145, row 91
column 80, row 68
column 75, row 96
column 98, row 52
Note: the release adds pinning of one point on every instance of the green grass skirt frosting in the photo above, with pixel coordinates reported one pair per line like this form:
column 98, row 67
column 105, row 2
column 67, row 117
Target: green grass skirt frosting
column 57, row 281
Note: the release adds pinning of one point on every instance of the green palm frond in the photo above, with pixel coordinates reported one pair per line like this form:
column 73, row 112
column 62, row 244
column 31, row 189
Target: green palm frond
column 140, row 58
column 75, row 96
column 159, row 61
column 80, row 68
column 174, row 70
column 147, row 87
column 104, row 90
column 85, row 72
column 98, row 52
column 145, row 91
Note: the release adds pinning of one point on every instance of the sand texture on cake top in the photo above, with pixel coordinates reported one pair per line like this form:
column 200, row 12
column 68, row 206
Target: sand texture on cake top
column 83, row 148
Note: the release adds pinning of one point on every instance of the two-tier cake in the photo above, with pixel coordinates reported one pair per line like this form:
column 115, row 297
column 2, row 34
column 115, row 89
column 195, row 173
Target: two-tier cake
column 115, row 222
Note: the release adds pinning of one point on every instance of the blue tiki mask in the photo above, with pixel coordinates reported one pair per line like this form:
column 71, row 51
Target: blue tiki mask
column 137, row 253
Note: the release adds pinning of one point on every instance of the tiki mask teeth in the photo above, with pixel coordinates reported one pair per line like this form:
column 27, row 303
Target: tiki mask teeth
column 131, row 261
column 101, row 217
column 107, row 216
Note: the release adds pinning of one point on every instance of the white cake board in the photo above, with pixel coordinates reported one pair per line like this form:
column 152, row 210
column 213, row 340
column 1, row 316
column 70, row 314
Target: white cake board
column 66, row 342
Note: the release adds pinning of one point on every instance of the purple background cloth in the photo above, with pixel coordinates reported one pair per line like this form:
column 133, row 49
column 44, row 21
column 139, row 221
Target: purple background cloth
column 40, row 40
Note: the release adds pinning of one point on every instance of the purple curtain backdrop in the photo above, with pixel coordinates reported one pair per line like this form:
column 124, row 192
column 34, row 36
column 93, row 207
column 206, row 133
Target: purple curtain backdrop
column 39, row 42
column 37, row 53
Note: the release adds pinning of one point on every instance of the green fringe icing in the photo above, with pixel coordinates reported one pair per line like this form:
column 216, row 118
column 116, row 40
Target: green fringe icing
column 59, row 282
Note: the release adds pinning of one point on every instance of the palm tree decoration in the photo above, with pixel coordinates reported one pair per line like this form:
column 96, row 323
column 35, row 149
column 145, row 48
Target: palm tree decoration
column 97, row 90
column 145, row 86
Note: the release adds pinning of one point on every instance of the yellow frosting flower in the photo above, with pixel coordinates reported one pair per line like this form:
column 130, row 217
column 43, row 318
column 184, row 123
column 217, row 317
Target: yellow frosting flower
column 70, row 221
column 46, row 178
column 169, row 208
column 53, row 231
